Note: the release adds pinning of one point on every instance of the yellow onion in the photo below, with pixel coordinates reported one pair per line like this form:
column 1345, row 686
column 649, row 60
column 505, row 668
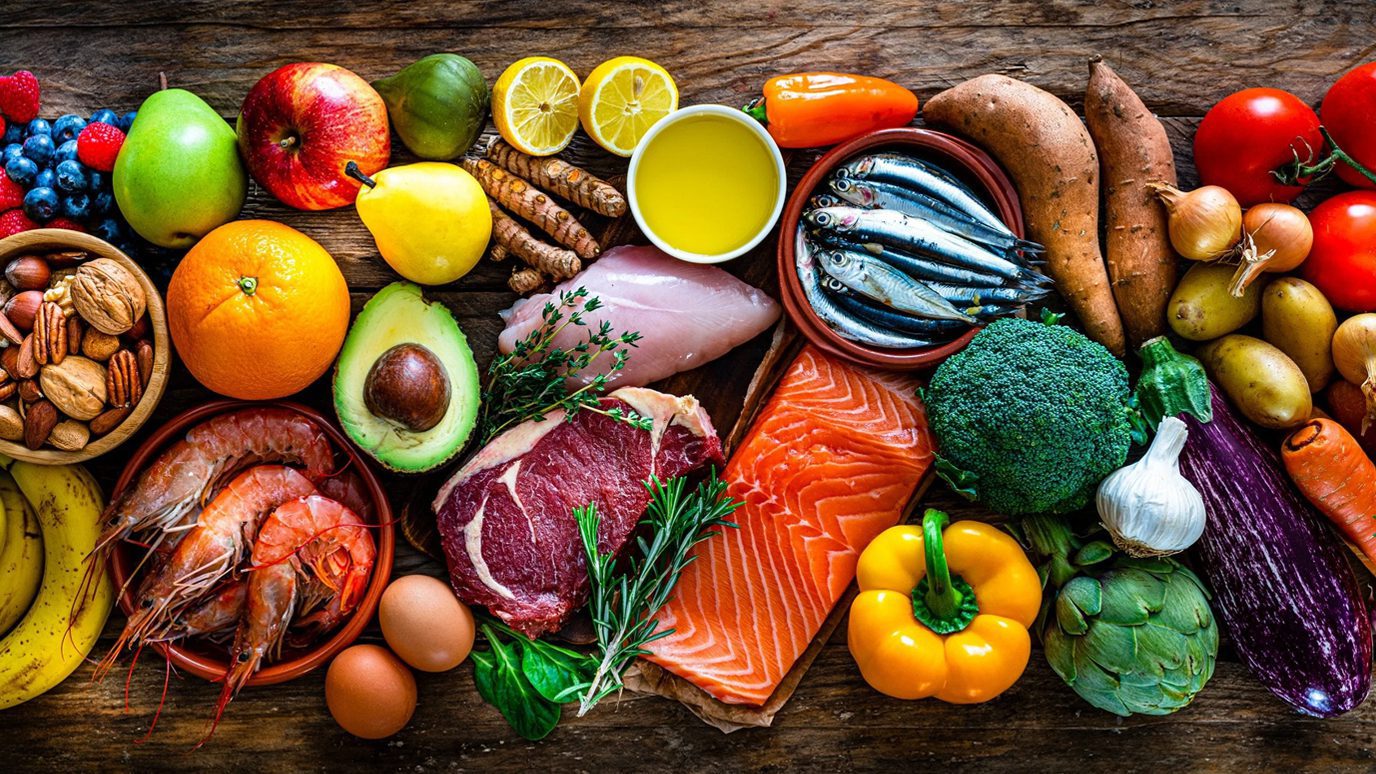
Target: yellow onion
column 1275, row 238
column 1354, row 353
column 1205, row 224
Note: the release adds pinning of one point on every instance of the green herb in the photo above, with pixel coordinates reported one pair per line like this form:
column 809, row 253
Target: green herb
column 502, row 682
column 531, row 381
column 622, row 604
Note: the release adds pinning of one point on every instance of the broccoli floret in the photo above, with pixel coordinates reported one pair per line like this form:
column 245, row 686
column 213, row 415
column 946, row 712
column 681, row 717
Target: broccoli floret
column 1036, row 413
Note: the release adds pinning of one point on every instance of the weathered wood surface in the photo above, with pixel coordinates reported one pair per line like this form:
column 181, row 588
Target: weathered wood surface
column 1180, row 56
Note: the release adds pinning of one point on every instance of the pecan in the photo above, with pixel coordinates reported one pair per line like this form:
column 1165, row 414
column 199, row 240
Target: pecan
column 74, row 334
column 98, row 345
column 49, row 334
column 68, row 258
column 29, row 391
column 143, row 351
column 8, row 389
column 109, row 420
column 26, row 366
column 39, row 420
column 123, row 387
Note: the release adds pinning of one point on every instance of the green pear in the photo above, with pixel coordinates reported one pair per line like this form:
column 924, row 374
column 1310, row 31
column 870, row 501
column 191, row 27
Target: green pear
column 178, row 175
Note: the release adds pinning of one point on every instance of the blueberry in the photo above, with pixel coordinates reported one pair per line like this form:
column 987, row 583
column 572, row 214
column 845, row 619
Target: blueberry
column 102, row 203
column 68, row 127
column 108, row 229
column 71, row 176
column 13, row 151
column 40, row 126
column 40, row 148
column 13, row 133
column 41, row 204
column 45, row 178
column 127, row 120
column 97, row 181
column 65, row 152
column 105, row 116
column 77, row 207
column 21, row 170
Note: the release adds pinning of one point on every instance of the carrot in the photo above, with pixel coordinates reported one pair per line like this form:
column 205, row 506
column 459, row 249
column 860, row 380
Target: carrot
column 533, row 205
column 547, row 259
column 525, row 280
column 1133, row 151
column 1347, row 405
column 561, row 179
column 1051, row 158
column 1331, row 470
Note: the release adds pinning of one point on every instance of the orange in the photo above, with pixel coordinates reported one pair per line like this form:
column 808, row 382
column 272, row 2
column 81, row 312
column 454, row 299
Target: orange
column 257, row 310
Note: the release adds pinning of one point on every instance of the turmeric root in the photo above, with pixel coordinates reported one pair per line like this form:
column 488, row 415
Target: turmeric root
column 558, row 263
column 525, row 280
column 498, row 252
column 561, row 179
column 528, row 202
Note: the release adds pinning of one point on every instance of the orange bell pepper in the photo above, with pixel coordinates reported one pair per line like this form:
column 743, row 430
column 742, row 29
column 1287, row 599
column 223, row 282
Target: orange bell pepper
column 807, row 110
column 943, row 611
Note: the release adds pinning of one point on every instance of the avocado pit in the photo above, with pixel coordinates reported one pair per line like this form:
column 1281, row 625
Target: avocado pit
column 408, row 386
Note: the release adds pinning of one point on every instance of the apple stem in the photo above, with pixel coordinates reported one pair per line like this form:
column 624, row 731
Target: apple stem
column 162, row 81
column 351, row 169
column 287, row 142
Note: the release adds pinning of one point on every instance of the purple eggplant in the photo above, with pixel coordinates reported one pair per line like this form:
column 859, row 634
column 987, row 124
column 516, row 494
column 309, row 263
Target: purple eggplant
column 1282, row 584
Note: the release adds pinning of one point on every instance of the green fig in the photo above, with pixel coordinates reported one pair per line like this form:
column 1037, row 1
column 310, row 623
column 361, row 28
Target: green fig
column 178, row 174
column 438, row 105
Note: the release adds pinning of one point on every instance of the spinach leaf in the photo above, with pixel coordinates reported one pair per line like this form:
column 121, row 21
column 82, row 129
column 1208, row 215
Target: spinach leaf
column 557, row 673
column 502, row 683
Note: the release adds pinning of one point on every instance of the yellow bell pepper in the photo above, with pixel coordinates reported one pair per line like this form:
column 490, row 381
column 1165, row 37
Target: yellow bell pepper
column 943, row 611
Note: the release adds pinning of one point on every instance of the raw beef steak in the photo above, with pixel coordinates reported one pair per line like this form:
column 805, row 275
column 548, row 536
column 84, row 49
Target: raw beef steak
column 506, row 518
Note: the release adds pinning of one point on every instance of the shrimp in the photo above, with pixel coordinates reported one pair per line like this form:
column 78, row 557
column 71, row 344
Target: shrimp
column 211, row 551
column 183, row 476
column 313, row 557
column 214, row 616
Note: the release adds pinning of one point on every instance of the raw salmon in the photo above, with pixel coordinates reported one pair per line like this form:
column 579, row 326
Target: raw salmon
column 833, row 460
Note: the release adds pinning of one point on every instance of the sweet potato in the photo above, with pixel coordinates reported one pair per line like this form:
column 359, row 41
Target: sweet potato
column 1133, row 151
column 1048, row 153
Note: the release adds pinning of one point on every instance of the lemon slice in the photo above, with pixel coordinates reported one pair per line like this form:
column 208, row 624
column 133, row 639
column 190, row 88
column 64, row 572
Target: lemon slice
column 535, row 105
column 622, row 98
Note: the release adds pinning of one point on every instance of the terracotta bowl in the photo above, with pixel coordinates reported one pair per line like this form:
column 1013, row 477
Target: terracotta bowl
column 957, row 156
column 52, row 239
column 208, row 660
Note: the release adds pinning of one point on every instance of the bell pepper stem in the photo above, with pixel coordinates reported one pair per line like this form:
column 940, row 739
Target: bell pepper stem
column 756, row 110
column 943, row 602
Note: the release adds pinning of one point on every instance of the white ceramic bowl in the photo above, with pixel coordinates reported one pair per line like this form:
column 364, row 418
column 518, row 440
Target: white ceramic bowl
column 734, row 115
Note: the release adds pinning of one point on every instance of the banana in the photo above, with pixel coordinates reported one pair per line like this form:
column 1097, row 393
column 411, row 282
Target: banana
column 62, row 625
column 21, row 560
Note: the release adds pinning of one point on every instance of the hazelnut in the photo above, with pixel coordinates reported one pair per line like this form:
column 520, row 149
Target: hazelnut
column 28, row 272
column 76, row 386
column 22, row 307
column 98, row 345
column 108, row 296
column 11, row 424
column 69, row 435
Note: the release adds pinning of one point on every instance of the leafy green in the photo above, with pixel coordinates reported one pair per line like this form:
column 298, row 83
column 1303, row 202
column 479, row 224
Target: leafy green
column 502, row 683
column 557, row 673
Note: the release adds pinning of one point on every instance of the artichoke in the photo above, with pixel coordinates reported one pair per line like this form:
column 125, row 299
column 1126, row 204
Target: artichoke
column 1130, row 636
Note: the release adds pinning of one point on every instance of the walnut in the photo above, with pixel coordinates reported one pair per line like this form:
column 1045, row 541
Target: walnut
column 60, row 293
column 108, row 296
column 76, row 387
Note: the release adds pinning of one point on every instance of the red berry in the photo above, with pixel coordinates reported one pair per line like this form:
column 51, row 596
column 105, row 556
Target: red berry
column 2, row 125
column 11, row 193
column 13, row 222
column 19, row 96
column 98, row 145
column 66, row 223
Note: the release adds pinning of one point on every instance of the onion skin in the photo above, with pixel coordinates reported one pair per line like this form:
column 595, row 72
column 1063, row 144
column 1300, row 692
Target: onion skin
column 1205, row 224
column 1276, row 238
column 1354, row 355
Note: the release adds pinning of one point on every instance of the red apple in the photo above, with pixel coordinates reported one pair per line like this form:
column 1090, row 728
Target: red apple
column 302, row 123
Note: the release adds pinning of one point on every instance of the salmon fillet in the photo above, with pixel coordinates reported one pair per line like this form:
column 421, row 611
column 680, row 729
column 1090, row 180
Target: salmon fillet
column 832, row 461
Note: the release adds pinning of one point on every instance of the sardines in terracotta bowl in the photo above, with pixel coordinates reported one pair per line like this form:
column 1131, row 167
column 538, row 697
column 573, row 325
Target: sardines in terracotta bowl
column 249, row 543
column 898, row 245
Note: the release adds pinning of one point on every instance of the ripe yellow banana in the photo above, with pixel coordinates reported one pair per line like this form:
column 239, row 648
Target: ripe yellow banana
column 62, row 626
column 21, row 560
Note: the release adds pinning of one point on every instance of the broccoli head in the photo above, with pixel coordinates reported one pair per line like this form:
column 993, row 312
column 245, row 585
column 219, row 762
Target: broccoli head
column 1030, row 417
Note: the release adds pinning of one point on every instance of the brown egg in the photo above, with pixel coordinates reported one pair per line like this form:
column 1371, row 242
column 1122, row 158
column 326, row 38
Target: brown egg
column 425, row 624
column 370, row 693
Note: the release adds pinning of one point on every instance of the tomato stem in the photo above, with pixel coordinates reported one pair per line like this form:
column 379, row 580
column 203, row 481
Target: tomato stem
column 1294, row 172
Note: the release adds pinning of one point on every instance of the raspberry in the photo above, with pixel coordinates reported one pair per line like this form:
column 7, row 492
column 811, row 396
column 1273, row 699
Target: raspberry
column 11, row 193
column 66, row 223
column 13, row 222
column 19, row 96
column 98, row 145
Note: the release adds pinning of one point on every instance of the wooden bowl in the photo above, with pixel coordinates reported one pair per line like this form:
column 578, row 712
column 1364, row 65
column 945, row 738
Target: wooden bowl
column 204, row 659
column 46, row 240
column 957, row 156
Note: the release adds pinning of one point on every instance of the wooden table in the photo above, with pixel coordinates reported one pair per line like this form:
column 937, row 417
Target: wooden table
column 1181, row 57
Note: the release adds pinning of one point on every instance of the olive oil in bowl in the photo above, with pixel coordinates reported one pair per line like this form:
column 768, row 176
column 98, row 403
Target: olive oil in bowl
column 706, row 183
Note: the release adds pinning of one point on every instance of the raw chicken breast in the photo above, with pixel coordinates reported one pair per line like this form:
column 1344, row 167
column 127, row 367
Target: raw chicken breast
column 687, row 314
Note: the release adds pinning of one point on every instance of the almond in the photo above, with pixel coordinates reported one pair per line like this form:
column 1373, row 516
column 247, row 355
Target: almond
column 9, row 359
column 109, row 420
column 26, row 366
column 11, row 424
column 39, row 420
column 143, row 351
column 69, row 435
column 28, row 390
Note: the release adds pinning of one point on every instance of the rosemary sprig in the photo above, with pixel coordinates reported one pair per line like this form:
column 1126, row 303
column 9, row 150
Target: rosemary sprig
column 531, row 381
column 623, row 604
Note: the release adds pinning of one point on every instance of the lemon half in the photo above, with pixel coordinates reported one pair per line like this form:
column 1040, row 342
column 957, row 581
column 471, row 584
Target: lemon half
column 622, row 98
column 535, row 105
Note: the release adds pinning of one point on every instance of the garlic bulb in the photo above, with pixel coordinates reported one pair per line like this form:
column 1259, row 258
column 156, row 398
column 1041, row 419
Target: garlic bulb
column 1148, row 507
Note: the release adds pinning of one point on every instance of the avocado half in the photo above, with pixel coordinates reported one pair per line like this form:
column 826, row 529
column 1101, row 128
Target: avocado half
column 400, row 315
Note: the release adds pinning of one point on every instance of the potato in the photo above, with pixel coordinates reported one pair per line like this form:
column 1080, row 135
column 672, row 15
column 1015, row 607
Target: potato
column 1260, row 380
column 1300, row 322
column 1201, row 307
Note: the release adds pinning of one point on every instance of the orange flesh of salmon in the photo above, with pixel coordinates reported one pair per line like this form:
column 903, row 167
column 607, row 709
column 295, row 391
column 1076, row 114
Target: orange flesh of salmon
column 833, row 460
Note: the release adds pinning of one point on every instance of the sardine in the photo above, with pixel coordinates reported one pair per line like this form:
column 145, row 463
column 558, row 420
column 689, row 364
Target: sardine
column 871, row 277
column 825, row 200
column 929, row 269
column 916, row 174
column 882, row 316
column 846, row 326
column 962, row 296
column 885, row 196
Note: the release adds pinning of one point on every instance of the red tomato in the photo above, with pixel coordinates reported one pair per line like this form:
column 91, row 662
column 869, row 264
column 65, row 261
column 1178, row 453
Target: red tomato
column 1349, row 114
column 1342, row 263
column 1249, row 134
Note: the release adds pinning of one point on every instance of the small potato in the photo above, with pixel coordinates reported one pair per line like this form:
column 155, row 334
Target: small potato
column 1265, row 385
column 1201, row 307
column 1300, row 322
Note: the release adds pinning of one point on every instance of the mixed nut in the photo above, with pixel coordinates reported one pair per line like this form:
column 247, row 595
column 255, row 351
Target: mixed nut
column 76, row 356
